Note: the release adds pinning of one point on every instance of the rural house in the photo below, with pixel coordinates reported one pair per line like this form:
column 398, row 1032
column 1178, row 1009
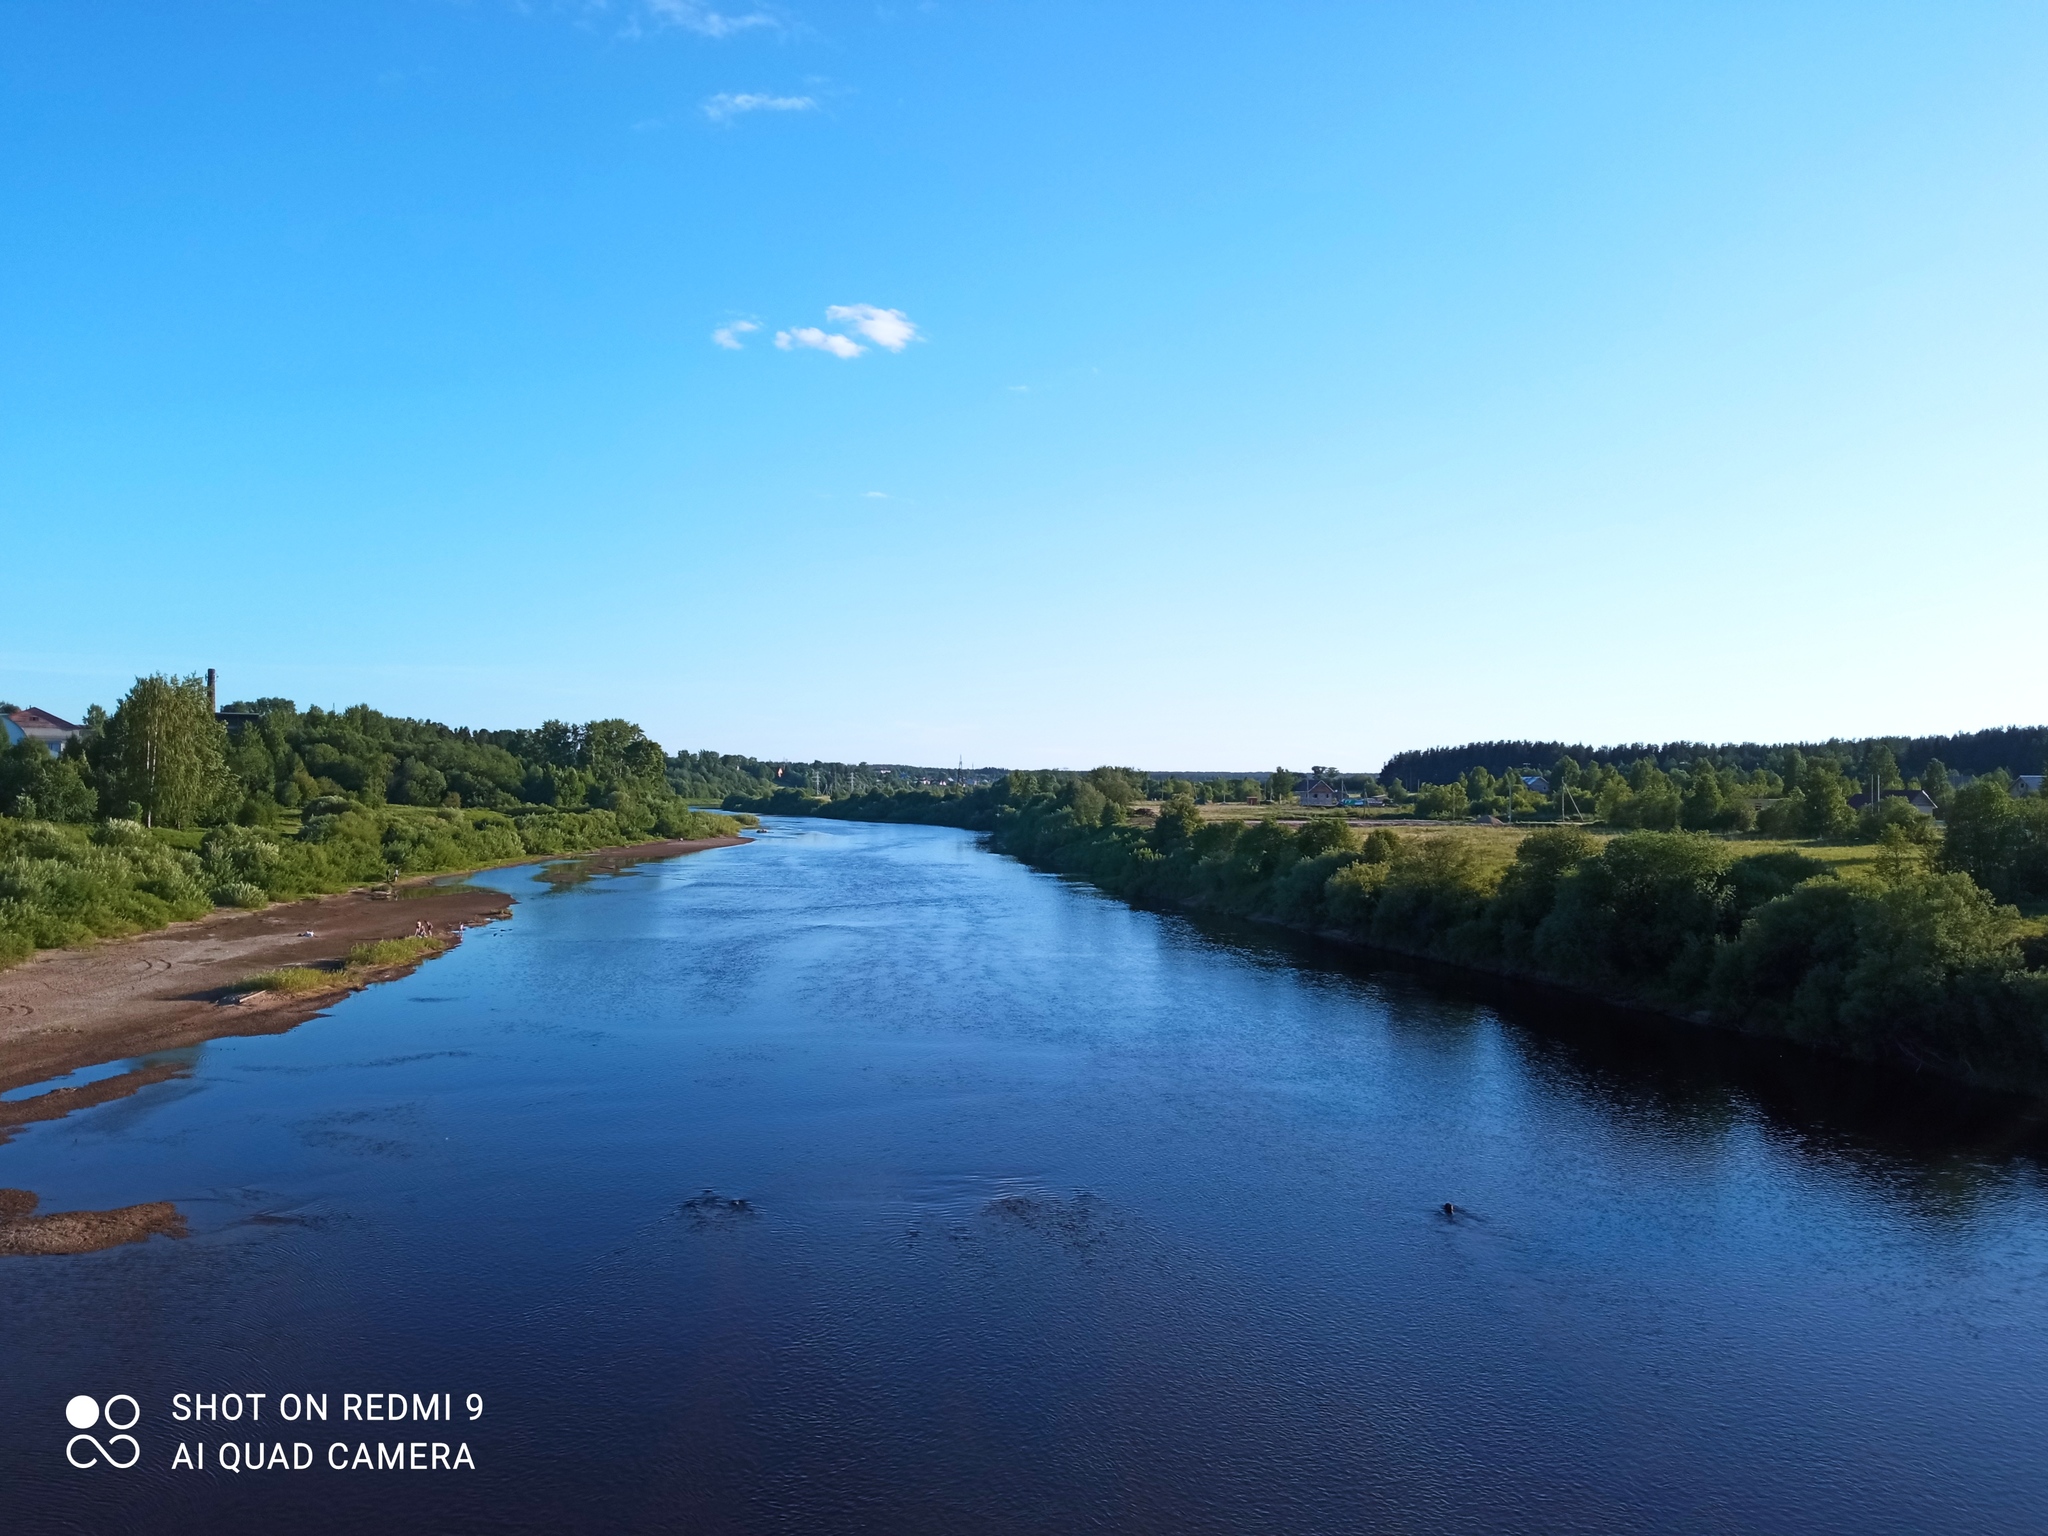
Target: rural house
column 41, row 725
column 1919, row 799
column 1321, row 792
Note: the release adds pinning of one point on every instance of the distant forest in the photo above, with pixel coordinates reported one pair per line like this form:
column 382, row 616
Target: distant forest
column 715, row 775
column 2018, row 749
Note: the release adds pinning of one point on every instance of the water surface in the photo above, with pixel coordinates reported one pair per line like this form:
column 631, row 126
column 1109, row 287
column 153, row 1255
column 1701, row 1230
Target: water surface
column 862, row 1181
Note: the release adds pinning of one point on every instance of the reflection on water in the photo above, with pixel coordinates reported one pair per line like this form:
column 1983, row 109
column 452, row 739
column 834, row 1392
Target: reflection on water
column 861, row 1181
column 90, row 1086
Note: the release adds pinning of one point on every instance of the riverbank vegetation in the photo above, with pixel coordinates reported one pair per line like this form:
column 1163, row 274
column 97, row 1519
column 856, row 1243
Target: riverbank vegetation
column 1916, row 962
column 162, row 812
column 363, row 959
column 1885, row 934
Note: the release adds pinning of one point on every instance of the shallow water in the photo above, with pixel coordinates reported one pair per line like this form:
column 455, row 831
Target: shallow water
column 860, row 1180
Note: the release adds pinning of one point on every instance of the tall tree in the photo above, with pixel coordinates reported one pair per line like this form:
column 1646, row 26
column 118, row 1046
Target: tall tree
column 1934, row 779
column 1701, row 807
column 167, row 754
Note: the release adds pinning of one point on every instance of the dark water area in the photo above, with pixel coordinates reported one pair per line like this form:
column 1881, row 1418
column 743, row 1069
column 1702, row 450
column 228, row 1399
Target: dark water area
column 862, row 1181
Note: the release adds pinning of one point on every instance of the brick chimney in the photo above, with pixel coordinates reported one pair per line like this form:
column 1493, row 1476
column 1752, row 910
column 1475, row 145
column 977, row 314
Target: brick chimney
column 212, row 707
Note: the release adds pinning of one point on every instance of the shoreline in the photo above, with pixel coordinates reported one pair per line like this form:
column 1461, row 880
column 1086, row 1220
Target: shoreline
column 66, row 1009
column 1898, row 1057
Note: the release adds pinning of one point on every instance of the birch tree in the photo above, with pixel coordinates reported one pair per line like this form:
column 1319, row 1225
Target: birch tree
column 169, row 754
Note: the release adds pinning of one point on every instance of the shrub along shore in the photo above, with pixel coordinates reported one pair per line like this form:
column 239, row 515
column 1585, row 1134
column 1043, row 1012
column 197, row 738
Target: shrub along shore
column 1916, row 963
column 290, row 804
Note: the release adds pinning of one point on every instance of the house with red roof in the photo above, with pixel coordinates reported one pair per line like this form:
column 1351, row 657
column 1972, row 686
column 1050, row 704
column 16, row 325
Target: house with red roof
column 40, row 725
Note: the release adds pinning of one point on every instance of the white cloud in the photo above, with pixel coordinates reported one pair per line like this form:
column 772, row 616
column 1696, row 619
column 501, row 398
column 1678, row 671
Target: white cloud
column 889, row 328
column 727, row 105
column 822, row 341
column 694, row 16
column 728, row 336
column 875, row 495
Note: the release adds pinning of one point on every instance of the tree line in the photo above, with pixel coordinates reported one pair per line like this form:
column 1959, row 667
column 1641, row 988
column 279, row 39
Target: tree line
column 2013, row 749
column 161, row 812
column 1924, row 964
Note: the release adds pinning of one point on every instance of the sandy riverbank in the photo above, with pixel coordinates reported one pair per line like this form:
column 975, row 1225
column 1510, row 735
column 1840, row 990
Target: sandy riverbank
column 71, row 1008
column 66, row 1009
column 181, row 986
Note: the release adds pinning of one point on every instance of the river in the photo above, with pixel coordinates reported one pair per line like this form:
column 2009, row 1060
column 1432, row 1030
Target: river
column 860, row 1180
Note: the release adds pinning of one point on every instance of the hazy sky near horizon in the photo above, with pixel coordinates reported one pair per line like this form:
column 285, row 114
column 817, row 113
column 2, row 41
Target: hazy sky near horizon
column 1197, row 386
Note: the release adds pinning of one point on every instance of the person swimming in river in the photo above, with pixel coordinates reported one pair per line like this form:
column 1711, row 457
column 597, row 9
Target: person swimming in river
column 1450, row 1210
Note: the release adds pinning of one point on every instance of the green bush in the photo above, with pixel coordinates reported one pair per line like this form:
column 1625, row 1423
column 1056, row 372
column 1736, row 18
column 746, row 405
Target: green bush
column 401, row 951
column 294, row 979
column 64, row 885
column 1917, row 965
column 1916, row 827
column 1441, row 802
column 1997, row 840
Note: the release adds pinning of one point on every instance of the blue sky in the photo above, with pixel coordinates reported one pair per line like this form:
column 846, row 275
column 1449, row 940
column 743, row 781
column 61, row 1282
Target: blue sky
column 1236, row 385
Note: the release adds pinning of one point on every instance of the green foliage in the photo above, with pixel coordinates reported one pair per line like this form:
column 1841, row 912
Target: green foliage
column 1649, row 798
column 1934, row 779
column 778, row 802
column 1998, row 841
column 1894, row 816
column 164, row 751
column 374, row 796
column 1818, row 805
column 1120, row 787
column 38, row 787
column 1325, row 834
column 1925, row 969
column 1825, row 795
column 1442, row 802
column 1763, row 770
column 1528, row 890
column 294, row 979
column 1087, row 804
column 400, row 951
column 1178, row 824
column 1917, row 965
column 67, row 885
column 713, row 776
column 286, row 758
column 362, row 958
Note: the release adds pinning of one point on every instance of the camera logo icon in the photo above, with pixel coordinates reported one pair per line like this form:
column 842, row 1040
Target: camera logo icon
column 85, row 1413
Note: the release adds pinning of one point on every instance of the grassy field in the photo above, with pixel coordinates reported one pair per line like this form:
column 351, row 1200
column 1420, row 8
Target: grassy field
column 1494, row 846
